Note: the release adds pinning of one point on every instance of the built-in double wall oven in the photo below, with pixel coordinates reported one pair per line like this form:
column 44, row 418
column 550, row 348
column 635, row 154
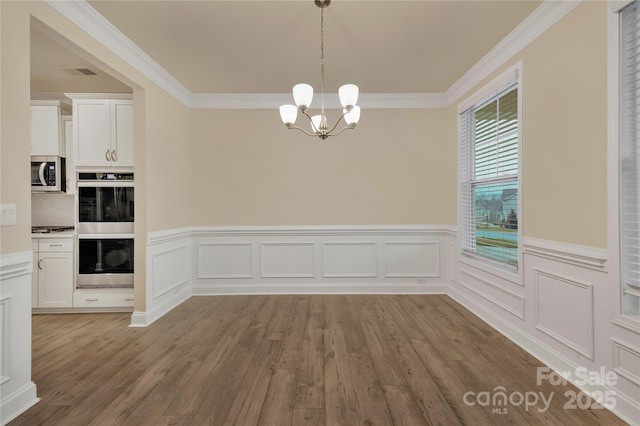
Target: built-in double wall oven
column 105, row 220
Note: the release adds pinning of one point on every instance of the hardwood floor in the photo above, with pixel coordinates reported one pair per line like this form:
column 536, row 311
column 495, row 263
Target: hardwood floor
column 289, row 360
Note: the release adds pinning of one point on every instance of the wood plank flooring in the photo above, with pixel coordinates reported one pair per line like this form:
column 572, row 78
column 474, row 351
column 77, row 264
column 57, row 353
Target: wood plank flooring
column 288, row 360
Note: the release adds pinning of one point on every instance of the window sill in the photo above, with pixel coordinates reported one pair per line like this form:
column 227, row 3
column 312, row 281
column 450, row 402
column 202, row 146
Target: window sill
column 498, row 269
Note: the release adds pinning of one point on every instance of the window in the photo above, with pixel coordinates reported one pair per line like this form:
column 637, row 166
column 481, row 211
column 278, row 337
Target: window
column 629, row 161
column 489, row 149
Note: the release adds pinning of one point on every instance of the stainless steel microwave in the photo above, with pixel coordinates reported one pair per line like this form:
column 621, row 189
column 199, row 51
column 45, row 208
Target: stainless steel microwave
column 48, row 174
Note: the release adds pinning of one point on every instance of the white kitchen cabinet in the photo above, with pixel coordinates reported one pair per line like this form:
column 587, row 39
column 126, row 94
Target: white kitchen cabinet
column 53, row 273
column 103, row 298
column 102, row 132
column 67, row 132
column 46, row 129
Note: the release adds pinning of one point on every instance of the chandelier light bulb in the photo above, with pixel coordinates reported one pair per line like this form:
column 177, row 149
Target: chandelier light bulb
column 348, row 94
column 352, row 117
column 288, row 113
column 303, row 95
column 316, row 123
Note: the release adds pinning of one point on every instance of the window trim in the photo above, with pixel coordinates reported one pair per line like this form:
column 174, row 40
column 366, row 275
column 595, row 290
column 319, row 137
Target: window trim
column 613, row 164
column 488, row 90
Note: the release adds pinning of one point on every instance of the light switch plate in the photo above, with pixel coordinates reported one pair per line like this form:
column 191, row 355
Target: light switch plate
column 7, row 214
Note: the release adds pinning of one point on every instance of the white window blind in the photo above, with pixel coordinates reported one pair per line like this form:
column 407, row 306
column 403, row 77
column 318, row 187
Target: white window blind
column 489, row 177
column 629, row 155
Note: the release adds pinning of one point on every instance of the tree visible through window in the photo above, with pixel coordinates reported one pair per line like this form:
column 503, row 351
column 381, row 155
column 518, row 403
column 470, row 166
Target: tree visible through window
column 489, row 177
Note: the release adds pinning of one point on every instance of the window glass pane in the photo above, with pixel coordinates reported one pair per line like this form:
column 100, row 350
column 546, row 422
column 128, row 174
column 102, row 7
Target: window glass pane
column 496, row 221
column 496, row 137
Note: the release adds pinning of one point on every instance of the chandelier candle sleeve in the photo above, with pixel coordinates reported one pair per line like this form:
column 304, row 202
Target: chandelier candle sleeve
column 303, row 96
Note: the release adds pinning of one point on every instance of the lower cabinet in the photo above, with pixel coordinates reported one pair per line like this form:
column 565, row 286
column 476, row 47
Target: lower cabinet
column 52, row 281
column 102, row 299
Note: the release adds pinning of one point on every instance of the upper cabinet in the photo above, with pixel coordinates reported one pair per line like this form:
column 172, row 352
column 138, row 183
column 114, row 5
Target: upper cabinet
column 46, row 129
column 102, row 131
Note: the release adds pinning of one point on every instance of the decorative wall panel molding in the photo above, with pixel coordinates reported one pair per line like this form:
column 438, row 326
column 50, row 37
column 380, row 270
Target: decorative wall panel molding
column 564, row 311
column 168, row 273
column 170, row 269
column 626, row 361
column 15, row 265
column 412, row 259
column 287, row 260
column 5, row 326
column 319, row 259
column 225, row 260
column 347, row 259
column 17, row 390
column 586, row 257
column 496, row 294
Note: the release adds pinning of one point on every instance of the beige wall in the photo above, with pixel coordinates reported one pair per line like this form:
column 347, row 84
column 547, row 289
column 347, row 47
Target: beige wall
column 396, row 167
column 14, row 125
column 564, row 155
column 168, row 158
column 565, row 125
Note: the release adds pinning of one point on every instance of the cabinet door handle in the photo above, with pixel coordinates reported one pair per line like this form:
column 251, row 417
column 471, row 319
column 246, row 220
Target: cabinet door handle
column 39, row 263
column 106, row 155
column 128, row 300
column 114, row 157
column 55, row 245
column 91, row 300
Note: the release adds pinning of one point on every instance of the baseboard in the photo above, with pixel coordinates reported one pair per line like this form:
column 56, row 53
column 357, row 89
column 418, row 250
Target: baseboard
column 146, row 318
column 347, row 288
column 17, row 403
column 543, row 353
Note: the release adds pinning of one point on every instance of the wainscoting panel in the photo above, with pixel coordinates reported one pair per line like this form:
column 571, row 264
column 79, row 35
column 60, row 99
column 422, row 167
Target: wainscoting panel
column 350, row 259
column 626, row 364
column 17, row 390
column 564, row 311
column 412, row 259
column 225, row 260
column 5, row 326
column 170, row 269
column 168, row 274
column 498, row 295
column 319, row 259
column 287, row 260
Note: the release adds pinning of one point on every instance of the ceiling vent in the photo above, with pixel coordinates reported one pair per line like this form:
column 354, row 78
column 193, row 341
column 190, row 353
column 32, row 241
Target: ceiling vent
column 80, row 71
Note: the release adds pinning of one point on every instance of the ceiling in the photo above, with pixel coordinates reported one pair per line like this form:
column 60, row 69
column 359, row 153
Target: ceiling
column 268, row 46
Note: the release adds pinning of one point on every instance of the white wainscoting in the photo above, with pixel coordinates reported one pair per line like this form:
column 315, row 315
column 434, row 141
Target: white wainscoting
column 168, row 274
column 572, row 327
column 17, row 391
column 560, row 308
column 320, row 259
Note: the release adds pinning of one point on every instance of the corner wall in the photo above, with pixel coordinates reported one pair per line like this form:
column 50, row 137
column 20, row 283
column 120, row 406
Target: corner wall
column 560, row 307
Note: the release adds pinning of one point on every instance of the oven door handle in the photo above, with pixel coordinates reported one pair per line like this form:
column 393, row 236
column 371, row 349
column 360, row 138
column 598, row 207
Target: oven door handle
column 41, row 173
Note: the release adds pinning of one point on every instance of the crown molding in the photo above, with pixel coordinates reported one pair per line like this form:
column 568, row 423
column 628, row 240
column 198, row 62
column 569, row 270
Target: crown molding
column 543, row 18
column 87, row 18
column 96, row 25
column 274, row 100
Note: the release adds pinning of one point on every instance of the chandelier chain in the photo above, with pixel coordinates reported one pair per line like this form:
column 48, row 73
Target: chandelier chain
column 322, row 57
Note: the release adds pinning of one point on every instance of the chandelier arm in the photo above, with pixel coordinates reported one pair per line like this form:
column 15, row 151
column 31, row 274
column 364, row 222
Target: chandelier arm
column 313, row 126
column 350, row 127
column 302, row 130
column 337, row 122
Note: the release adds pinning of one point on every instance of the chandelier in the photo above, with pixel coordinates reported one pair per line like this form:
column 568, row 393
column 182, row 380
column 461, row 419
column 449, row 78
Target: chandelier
column 303, row 95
